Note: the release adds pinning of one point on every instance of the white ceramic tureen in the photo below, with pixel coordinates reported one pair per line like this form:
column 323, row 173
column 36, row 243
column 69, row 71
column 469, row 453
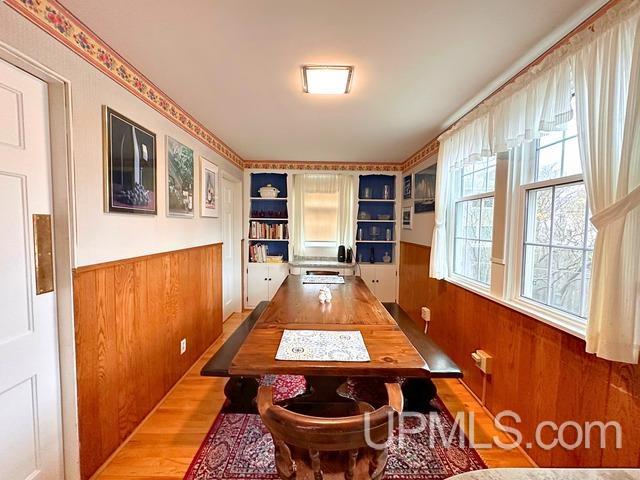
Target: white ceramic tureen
column 268, row 191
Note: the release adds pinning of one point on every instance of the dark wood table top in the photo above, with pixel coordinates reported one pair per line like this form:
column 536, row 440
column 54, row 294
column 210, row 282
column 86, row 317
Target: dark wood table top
column 353, row 307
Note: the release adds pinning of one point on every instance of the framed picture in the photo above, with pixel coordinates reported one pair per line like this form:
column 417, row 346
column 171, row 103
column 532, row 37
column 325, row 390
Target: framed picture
column 179, row 179
column 406, row 218
column 129, row 165
column 424, row 195
column 208, row 188
column 406, row 187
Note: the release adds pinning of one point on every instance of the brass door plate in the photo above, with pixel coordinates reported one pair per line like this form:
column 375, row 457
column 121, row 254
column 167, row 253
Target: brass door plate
column 43, row 245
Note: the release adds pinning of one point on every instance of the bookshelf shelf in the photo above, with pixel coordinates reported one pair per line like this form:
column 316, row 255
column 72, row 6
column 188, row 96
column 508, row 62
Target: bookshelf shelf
column 376, row 241
column 268, row 217
column 268, row 239
column 376, row 198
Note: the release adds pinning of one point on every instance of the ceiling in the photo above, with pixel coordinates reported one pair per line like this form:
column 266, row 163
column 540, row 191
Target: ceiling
column 235, row 65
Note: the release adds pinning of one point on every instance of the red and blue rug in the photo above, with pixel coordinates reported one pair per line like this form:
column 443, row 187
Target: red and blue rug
column 239, row 447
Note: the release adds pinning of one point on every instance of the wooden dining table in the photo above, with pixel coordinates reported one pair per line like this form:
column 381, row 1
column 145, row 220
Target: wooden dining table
column 296, row 306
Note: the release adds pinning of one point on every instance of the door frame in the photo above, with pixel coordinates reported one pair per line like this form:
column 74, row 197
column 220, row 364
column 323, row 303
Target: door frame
column 62, row 175
column 237, row 214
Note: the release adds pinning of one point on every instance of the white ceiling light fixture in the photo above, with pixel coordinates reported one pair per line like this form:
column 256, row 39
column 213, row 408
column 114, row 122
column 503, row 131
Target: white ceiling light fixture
column 327, row 79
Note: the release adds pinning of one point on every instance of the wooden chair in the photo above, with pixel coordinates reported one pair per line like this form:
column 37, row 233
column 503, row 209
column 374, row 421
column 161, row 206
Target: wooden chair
column 322, row 272
column 330, row 446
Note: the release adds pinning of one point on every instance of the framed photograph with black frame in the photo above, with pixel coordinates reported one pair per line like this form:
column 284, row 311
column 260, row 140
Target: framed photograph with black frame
column 407, row 218
column 130, row 165
column 180, row 179
column 208, row 188
column 407, row 191
column 424, row 190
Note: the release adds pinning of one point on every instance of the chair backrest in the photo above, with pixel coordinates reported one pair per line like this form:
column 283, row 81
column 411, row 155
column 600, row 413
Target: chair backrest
column 330, row 434
column 322, row 272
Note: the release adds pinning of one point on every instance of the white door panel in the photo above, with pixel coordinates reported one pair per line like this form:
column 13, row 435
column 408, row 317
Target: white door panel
column 30, row 437
column 368, row 274
column 386, row 283
column 257, row 284
column 231, row 235
column 277, row 275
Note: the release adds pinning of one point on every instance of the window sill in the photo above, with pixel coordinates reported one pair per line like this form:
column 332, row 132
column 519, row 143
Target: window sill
column 565, row 323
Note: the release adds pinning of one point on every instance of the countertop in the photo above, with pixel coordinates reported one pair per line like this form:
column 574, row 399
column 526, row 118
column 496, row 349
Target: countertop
column 316, row 263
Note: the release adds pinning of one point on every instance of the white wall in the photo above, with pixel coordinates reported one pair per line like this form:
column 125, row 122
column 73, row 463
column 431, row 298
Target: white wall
column 423, row 223
column 101, row 236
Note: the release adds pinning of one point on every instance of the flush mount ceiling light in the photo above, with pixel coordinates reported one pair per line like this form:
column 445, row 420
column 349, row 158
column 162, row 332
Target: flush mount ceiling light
column 327, row 79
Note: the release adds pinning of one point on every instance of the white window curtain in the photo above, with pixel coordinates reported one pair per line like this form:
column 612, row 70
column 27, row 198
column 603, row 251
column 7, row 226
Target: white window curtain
column 323, row 183
column 535, row 103
column 464, row 145
column 607, row 85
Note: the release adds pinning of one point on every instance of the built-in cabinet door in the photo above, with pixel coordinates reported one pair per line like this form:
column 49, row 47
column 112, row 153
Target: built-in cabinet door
column 257, row 284
column 368, row 274
column 386, row 283
column 381, row 280
column 277, row 274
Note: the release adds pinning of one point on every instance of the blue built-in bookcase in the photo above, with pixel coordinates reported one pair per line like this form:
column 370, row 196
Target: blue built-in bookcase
column 376, row 222
column 269, row 214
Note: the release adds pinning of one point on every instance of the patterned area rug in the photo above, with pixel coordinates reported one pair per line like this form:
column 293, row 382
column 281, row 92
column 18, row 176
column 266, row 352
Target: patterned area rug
column 239, row 447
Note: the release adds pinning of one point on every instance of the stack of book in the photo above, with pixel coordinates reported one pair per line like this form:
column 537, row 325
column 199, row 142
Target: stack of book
column 266, row 231
column 258, row 253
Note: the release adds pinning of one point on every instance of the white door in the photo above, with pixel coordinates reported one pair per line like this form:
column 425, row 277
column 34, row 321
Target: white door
column 231, row 264
column 386, row 283
column 257, row 283
column 30, row 419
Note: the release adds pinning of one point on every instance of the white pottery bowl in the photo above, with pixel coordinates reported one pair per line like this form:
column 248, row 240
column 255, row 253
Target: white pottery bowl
column 268, row 191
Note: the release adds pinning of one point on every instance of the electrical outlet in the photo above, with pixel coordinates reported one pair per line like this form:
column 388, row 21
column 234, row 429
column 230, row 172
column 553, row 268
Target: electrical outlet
column 183, row 346
column 425, row 313
column 483, row 361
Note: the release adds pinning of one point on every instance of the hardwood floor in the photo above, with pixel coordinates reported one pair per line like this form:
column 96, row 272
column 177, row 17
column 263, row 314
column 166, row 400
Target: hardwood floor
column 163, row 445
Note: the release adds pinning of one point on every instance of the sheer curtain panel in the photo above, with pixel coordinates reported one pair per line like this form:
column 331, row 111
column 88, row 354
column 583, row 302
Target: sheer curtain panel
column 607, row 83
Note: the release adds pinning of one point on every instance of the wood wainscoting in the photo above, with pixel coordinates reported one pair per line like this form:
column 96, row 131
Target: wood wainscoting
column 539, row 372
column 130, row 316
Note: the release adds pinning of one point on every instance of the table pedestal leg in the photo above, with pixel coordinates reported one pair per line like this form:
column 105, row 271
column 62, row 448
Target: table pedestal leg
column 241, row 393
column 418, row 393
column 322, row 394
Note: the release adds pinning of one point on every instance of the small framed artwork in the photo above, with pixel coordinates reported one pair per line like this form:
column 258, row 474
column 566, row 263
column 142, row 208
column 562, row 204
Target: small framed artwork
column 407, row 218
column 208, row 188
column 179, row 179
column 424, row 196
column 407, row 191
column 129, row 165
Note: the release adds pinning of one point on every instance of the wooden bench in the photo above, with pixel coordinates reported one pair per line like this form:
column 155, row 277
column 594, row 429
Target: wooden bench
column 241, row 391
column 419, row 391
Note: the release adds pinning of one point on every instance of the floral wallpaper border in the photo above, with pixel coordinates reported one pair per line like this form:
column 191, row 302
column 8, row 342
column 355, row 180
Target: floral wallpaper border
column 340, row 166
column 61, row 24
column 428, row 150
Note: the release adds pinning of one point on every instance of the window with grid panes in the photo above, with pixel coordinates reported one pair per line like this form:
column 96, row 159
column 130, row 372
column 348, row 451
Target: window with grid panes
column 473, row 220
column 558, row 237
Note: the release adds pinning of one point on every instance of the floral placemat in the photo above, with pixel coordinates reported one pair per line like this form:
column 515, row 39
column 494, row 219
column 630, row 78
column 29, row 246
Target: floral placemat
column 322, row 346
column 331, row 279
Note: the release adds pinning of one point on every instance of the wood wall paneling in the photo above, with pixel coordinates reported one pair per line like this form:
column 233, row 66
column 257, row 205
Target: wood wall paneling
column 539, row 372
column 129, row 318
